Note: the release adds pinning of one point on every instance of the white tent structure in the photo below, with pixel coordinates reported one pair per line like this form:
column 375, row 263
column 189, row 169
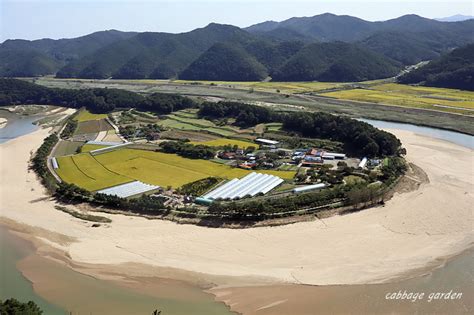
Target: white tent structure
column 250, row 185
column 128, row 189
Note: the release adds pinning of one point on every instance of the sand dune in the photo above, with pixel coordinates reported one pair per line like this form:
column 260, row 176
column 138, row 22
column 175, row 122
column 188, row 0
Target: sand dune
column 411, row 231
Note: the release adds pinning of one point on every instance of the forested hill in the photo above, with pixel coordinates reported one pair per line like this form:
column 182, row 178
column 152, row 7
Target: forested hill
column 335, row 62
column 452, row 70
column 152, row 55
column 373, row 50
column 46, row 56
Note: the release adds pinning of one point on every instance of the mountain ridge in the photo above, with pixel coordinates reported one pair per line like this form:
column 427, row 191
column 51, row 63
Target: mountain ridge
column 257, row 51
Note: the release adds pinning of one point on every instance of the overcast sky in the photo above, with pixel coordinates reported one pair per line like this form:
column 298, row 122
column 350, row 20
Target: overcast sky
column 33, row 19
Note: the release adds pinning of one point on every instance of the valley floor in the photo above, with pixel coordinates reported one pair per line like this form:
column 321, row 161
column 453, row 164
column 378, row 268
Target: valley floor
column 435, row 107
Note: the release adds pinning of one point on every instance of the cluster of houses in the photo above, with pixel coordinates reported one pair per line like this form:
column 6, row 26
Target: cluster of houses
column 303, row 157
column 246, row 160
column 314, row 157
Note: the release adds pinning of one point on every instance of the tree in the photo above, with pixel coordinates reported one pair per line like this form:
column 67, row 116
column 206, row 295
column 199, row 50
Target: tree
column 15, row 307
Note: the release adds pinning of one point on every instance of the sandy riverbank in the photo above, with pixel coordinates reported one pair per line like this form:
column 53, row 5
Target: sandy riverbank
column 412, row 231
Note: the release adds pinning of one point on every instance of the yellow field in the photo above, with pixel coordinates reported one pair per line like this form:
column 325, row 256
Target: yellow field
column 84, row 171
column 223, row 141
column 85, row 115
column 169, row 169
column 412, row 96
column 125, row 165
column 284, row 87
column 90, row 147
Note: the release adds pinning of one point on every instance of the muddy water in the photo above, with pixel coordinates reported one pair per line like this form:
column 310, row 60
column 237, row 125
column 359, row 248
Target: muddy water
column 456, row 278
column 12, row 282
column 60, row 290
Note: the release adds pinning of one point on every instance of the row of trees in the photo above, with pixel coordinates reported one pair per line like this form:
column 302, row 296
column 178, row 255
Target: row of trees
column 69, row 129
column 259, row 209
column 16, row 92
column 358, row 138
column 198, row 187
column 40, row 160
column 188, row 150
column 144, row 204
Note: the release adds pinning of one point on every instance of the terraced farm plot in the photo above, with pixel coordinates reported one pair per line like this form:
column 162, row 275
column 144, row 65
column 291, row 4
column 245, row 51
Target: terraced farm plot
column 169, row 169
column 191, row 125
column 187, row 113
column 85, row 115
column 274, row 126
column 67, row 147
column 174, row 124
column 84, row 171
column 223, row 141
column 191, row 135
column 90, row 147
column 112, row 136
column 92, row 126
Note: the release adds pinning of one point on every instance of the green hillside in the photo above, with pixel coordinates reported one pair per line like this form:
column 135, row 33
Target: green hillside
column 151, row 55
column 336, row 62
column 23, row 58
column 452, row 70
column 225, row 62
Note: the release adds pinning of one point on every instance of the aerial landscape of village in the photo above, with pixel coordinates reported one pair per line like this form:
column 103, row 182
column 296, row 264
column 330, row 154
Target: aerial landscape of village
column 273, row 160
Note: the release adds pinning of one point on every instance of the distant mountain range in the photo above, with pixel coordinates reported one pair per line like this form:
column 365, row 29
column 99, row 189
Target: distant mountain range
column 324, row 47
column 455, row 18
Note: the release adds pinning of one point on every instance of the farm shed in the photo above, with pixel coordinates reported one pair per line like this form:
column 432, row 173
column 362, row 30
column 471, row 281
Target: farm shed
column 266, row 141
column 308, row 188
column 54, row 163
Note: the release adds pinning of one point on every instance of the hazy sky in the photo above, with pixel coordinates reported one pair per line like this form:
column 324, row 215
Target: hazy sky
column 33, row 19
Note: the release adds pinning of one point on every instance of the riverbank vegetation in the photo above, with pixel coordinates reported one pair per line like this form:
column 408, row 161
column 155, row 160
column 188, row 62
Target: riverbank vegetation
column 18, row 92
column 40, row 162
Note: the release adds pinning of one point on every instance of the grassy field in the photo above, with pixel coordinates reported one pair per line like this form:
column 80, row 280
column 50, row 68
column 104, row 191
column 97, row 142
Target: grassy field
column 455, row 101
column 224, row 141
column 90, row 147
column 67, row 147
column 274, row 126
column 190, row 135
column 92, row 126
column 85, row 115
column 191, row 124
